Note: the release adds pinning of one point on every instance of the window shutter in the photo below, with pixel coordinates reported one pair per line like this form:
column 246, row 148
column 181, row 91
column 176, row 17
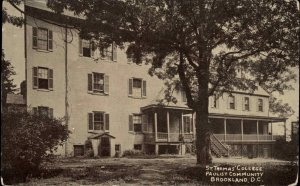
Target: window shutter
column 50, row 112
column 234, row 101
column 210, row 101
column 90, row 121
column 130, row 87
column 183, row 96
column 90, row 82
column 144, row 89
column 243, row 103
column 35, row 111
column 106, row 122
column 130, row 123
column 217, row 102
column 114, row 52
column 80, row 47
column 228, row 102
column 34, row 37
column 145, row 122
column 257, row 108
column 50, row 79
column 249, row 104
column 92, row 46
column 50, row 40
column 106, row 84
column 35, row 81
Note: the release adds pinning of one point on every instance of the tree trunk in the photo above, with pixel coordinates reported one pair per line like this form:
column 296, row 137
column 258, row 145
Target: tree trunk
column 202, row 125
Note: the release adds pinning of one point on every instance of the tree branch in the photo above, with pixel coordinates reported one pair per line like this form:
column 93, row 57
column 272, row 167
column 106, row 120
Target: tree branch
column 185, row 84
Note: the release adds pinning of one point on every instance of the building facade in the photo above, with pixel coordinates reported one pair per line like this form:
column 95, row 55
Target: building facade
column 115, row 103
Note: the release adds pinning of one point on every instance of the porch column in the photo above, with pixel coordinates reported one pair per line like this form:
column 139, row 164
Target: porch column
column 194, row 127
column 242, row 129
column 285, row 130
column 156, row 149
column 225, row 129
column 168, row 125
column 271, row 130
column 257, row 132
column 155, row 125
column 182, row 131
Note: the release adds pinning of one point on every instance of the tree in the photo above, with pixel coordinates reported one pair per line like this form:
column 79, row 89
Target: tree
column 7, row 85
column 200, row 45
column 14, row 20
column 27, row 140
column 280, row 108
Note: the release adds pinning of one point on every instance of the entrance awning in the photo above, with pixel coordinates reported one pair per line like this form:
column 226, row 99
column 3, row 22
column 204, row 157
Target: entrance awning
column 97, row 136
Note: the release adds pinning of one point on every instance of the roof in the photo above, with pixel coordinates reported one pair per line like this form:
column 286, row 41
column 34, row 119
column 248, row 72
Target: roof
column 15, row 99
column 250, row 117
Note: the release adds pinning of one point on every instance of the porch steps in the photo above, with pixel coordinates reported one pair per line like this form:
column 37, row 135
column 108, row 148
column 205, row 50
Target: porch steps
column 218, row 148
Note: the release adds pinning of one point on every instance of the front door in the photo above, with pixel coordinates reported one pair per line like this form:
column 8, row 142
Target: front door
column 105, row 146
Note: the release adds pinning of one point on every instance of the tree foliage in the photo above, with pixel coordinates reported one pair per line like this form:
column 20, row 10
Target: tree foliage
column 200, row 45
column 12, row 19
column 27, row 140
column 280, row 108
column 7, row 84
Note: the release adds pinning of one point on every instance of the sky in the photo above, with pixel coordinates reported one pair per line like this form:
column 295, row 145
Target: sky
column 13, row 45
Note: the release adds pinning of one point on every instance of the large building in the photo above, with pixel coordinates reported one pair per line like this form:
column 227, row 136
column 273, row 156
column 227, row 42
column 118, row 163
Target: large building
column 115, row 103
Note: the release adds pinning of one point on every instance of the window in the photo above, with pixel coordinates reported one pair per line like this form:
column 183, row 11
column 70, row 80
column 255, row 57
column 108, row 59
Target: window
column 117, row 147
column 98, row 83
column 109, row 53
column 98, row 121
column 260, row 105
column 42, row 39
column 135, row 123
column 42, row 78
column 43, row 111
column 214, row 101
column 86, row 48
column 137, row 146
column 231, row 100
column 137, row 88
column 246, row 104
column 187, row 124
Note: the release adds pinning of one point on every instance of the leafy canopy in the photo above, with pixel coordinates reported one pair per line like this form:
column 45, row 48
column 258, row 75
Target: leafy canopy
column 257, row 38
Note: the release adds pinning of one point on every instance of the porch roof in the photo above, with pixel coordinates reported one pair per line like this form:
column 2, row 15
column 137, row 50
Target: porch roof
column 250, row 117
column 167, row 107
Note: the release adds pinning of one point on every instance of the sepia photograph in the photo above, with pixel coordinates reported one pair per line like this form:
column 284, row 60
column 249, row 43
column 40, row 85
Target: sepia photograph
column 150, row 92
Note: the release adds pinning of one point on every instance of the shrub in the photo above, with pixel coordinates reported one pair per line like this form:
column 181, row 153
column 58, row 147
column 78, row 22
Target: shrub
column 285, row 150
column 131, row 153
column 27, row 141
column 88, row 149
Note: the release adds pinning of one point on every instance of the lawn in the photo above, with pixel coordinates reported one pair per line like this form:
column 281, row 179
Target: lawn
column 153, row 171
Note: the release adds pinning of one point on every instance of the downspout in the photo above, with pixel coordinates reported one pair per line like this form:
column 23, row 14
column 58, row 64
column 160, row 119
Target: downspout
column 66, row 81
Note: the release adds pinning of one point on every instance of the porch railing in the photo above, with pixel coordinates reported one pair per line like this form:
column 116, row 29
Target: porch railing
column 163, row 137
column 246, row 137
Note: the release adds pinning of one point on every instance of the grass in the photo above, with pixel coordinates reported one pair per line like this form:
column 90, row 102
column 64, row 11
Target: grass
column 145, row 171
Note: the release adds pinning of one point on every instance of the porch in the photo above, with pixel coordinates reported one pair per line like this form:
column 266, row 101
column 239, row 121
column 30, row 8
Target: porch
column 234, row 129
column 168, row 124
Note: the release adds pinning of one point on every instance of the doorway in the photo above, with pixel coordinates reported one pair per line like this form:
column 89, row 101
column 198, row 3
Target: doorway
column 104, row 147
